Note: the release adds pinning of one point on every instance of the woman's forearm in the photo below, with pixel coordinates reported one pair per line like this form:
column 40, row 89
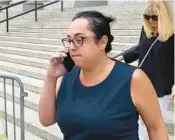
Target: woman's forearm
column 132, row 54
column 159, row 134
column 47, row 103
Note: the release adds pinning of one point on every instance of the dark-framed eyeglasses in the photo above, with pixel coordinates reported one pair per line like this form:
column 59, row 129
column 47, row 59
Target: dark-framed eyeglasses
column 77, row 41
column 148, row 17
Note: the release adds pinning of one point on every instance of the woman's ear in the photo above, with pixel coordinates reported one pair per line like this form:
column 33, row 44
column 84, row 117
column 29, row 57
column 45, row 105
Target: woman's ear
column 103, row 42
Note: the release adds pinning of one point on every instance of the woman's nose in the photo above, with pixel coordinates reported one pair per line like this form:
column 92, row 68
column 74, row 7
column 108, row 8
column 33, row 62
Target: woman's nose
column 72, row 46
column 150, row 20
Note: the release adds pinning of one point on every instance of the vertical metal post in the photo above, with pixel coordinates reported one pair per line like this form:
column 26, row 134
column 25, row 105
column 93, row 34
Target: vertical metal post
column 7, row 18
column 22, row 95
column 22, row 114
column 62, row 5
column 36, row 18
column 14, row 116
column 5, row 105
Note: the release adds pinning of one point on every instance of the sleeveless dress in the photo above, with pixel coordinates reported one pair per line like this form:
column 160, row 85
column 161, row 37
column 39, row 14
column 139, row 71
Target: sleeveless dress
column 101, row 112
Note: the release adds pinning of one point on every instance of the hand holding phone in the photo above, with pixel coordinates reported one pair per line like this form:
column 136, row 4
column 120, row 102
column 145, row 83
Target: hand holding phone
column 68, row 63
column 55, row 67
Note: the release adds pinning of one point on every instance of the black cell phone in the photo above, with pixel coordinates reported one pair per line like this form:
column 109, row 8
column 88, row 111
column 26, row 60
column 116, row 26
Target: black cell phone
column 68, row 63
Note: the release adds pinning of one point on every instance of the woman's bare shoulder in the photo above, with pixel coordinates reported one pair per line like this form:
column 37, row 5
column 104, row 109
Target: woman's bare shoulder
column 141, row 87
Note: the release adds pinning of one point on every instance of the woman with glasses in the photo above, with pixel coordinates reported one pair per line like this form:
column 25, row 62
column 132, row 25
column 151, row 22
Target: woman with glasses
column 159, row 63
column 99, row 99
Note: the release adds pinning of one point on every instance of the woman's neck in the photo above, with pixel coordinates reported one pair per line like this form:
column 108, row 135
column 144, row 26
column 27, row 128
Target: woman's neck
column 97, row 72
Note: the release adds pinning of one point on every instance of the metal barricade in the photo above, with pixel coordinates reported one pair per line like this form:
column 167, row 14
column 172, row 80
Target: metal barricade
column 8, row 86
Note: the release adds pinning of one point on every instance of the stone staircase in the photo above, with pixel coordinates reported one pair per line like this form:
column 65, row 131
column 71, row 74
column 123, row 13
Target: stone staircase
column 25, row 50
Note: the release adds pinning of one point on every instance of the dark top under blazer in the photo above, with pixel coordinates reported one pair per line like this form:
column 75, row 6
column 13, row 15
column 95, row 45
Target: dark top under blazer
column 159, row 64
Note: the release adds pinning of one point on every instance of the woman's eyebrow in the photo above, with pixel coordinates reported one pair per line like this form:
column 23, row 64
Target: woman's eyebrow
column 75, row 34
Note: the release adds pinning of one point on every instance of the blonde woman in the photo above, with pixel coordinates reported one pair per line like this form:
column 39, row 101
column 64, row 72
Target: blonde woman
column 159, row 64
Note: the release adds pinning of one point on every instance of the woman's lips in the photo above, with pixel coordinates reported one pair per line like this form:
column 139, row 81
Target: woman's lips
column 75, row 55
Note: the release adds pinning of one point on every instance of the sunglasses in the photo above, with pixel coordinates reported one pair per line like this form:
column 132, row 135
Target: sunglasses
column 153, row 17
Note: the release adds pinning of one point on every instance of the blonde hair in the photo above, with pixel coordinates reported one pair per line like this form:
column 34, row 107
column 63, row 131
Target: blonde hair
column 165, row 19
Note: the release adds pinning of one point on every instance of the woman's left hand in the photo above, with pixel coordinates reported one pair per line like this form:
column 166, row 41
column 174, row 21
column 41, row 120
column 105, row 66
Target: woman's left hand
column 172, row 93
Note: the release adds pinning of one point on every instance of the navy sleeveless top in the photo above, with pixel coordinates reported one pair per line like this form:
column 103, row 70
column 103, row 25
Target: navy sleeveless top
column 101, row 112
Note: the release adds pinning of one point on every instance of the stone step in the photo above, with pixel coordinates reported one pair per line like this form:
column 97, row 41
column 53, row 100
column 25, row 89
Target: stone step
column 7, row 40
column 133, row 18
column 27, row 82
column 72, row 11
column 33, row 82
column 23, row 60
column 132, row 10
column 69, row 11
column 33, row 91
column 53, row 34
column 30, row 61
column 122, row 46
column 31, row 101
column 26, row 52
column 27, row 71
column 23, row 42
column 50, row 49
column 56, row 31
column 114, row 53
column 55, row 26
column 137, row 19
column 120, row 18
column 32, row 123
column 128, row 32
column 31, row 87
column 126, row 39
column 34, row 72
column 25, row 75
column 28, row 135
column 122, row 14
column 37, row 53
column 58, row 24
column 123, row 10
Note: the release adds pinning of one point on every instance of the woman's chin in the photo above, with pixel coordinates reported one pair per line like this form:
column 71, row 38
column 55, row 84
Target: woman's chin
column 78, row 65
